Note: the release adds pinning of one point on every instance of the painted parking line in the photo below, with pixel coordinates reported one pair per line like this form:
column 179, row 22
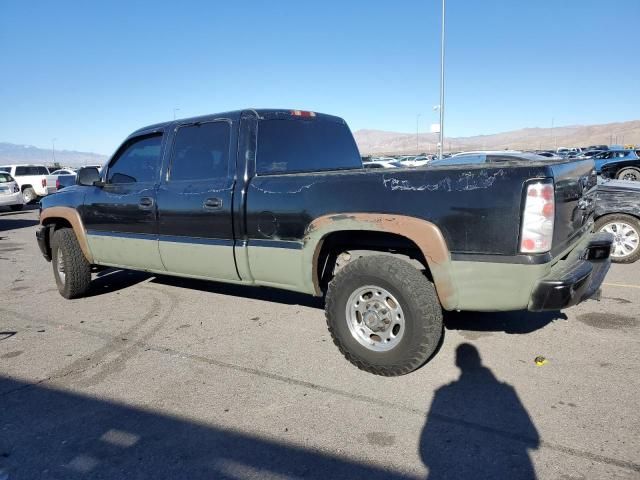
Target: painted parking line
column 621, row 285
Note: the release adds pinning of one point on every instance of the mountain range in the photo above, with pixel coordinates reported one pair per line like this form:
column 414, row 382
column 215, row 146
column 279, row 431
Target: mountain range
column 383, row 142
column 12, row 153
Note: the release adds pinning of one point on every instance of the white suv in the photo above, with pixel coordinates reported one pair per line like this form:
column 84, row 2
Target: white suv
column 10, row 194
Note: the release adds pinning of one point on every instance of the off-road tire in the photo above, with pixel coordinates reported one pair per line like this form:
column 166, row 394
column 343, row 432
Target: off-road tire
column 628, row 219
column 419, row 301
column 16, row 208
column 29, row 195
column 76, row 268
column 629, row 171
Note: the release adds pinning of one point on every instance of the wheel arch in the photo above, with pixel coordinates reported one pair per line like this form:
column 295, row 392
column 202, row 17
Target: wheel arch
column 422, row 240
column 60, row 217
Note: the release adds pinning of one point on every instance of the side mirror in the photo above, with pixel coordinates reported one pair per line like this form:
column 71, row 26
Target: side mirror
column 88, row 176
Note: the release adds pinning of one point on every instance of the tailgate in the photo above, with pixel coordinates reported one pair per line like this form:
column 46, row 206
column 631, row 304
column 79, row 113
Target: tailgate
column 575, row 200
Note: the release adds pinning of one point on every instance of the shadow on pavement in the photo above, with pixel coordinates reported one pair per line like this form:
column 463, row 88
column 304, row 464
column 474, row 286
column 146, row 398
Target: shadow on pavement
column 509, row 322
column 477, row 428
column 16, row 223
column 114, row 279
column 48, row 433
column 255, row 293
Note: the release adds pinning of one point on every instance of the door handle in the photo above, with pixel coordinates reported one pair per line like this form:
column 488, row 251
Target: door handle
column 212, row 203
column 146, row 203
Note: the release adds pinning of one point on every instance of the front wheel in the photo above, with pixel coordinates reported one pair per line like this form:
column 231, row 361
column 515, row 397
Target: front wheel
column 630, row 174
column 71, row 270
column 384, row 315
column 626, row 236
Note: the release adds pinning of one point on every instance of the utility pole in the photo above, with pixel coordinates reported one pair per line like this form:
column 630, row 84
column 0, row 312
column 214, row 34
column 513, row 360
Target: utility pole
column 417, row 130
column 553, row 137
column 174, row 112
column 53, row 149
column 442, row 83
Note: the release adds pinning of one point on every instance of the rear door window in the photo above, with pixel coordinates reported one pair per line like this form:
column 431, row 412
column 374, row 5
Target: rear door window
column 138, row 161
column 201, row 151
column 291, row 146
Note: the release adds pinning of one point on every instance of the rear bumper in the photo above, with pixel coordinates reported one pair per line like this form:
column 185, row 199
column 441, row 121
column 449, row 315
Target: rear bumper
column 42, row 236
column 576, row 278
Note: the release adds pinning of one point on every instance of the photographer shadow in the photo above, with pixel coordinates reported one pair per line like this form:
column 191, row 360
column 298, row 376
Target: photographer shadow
column 477, row 427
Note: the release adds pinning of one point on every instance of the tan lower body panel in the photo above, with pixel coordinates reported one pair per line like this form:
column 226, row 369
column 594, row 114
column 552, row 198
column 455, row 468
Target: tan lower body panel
column 491, row 287
column 203, row 261
column 134, row 253
column 279, row 267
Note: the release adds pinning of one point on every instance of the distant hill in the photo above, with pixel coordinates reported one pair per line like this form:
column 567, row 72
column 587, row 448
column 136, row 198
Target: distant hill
column 12, row 153
column 378, row 142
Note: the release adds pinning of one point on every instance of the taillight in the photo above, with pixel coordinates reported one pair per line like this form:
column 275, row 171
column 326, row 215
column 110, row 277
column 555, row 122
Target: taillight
column 57, row 184
column 44, row 183
column 537, row 218
column 302, row 113
column 16, row 188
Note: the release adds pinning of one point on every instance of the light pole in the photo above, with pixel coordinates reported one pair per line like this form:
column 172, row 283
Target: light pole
column 442, row 84
column 417, row 130
column 174, row 112
column 53, row 149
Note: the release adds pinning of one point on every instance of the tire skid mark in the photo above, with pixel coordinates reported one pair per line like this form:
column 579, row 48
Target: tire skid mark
column 124, row 347
column 575, row 452
column 112, row 357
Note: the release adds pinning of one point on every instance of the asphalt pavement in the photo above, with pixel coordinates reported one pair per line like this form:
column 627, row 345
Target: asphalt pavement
column 154, row 377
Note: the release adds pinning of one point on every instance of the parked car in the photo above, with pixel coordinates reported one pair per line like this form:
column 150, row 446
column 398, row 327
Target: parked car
column 10, row 194
column 63, row 171
column 610, row 156
column 280, row 198
column 618, row 212
column 34, row 180
column 378, row 164
column 627, row 168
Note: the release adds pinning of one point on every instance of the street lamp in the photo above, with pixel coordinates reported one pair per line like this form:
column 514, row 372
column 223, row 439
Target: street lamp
column 53, row 149
column 417, row 130
column 442, row 83
column 174, row 112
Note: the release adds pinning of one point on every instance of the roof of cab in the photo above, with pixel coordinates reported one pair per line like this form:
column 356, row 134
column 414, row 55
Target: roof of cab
column 261, row 113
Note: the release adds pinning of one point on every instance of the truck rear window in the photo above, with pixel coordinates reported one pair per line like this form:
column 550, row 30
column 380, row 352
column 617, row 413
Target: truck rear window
column 291, row 146
column 31, row 170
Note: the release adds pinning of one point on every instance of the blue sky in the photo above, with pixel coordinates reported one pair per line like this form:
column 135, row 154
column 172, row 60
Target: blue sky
column 88, row 73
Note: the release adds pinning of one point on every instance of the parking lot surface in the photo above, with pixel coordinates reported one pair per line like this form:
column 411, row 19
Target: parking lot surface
column 161, row 377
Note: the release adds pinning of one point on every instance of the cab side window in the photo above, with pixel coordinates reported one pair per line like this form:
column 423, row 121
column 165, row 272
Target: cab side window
column 201, row 152
column 137, row 162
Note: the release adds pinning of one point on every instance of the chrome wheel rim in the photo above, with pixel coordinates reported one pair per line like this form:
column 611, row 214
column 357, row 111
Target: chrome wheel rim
column 28, row 197
column 375, row 318
column 630, row 176
column 625, row 238
column 60, row 266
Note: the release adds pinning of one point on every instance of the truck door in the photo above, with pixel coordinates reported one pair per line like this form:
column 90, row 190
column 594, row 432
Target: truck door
column 120, row 216
column 195, row 202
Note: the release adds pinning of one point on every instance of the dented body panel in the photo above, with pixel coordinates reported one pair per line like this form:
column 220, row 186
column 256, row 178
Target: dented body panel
column 270, row 229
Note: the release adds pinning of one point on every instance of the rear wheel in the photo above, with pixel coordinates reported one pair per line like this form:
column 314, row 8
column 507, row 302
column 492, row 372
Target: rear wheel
column 626, row 236
column 384, row 315
column 29, row 195
column 16, row 208
column 71, row 270
column 631, row 174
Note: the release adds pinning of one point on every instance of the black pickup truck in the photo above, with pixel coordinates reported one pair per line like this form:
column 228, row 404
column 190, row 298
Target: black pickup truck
column 280, row 198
